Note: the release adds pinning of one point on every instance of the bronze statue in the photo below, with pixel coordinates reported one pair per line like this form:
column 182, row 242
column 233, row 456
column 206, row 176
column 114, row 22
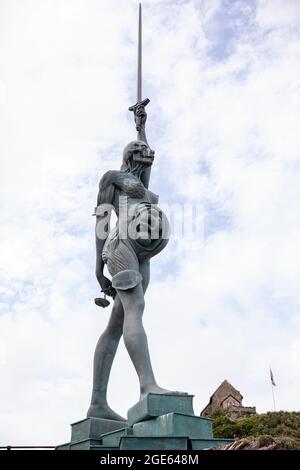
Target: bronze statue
column 141, row 233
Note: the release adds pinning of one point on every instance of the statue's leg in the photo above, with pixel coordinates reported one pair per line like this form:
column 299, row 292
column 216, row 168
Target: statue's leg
column 135, row 338
column 104, row 355
column 145, row 272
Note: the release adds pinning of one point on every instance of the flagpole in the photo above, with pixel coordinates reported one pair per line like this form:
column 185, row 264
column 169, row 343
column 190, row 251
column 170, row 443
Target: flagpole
column 272, row 387
column 273, row 395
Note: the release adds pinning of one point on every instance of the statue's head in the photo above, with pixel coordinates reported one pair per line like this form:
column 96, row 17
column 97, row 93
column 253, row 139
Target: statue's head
column 137, row 153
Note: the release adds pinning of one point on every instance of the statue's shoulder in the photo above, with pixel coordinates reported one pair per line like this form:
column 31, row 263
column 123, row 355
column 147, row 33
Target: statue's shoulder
column 110, row 177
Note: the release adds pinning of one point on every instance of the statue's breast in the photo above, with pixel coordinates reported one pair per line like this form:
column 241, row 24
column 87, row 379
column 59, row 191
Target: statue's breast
column 131, row 186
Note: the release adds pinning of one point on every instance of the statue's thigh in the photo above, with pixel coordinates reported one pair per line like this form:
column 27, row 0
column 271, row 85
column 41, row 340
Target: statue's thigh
column 145, row 272
column 115, row 323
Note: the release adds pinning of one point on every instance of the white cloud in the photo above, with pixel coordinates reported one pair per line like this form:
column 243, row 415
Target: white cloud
column 225, row 136
column 278, row 13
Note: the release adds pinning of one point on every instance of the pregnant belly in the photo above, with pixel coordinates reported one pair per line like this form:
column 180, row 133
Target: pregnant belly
column 149, row 225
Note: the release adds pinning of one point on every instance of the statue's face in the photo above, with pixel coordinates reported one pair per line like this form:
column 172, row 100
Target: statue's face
column 137, row 156
column 141, row 153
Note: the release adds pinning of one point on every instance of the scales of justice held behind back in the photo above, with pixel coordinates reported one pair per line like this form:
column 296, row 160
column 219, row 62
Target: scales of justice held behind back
column 141, row 232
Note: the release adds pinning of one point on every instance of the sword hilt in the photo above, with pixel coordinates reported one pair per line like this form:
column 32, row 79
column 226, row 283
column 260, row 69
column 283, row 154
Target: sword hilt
column 134, row 108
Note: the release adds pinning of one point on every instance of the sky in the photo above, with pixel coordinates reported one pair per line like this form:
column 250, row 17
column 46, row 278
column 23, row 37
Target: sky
column 224, row 82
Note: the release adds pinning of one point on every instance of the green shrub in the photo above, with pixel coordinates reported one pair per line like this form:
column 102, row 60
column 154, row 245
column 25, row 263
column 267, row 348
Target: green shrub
column 280, row 423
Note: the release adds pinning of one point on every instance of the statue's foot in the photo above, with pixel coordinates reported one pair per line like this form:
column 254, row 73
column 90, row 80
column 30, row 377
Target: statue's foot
column 159, row 390
column 104, row 412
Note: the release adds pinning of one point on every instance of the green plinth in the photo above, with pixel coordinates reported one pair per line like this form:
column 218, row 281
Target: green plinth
column 175, row 425
column 158, row 422
column 154, row 405
column 86, row 433
column 112, row 439
column 154, row 443
column 92, row 428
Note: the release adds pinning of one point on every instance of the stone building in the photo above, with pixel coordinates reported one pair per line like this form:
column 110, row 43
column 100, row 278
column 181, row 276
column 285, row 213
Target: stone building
column 228, row 399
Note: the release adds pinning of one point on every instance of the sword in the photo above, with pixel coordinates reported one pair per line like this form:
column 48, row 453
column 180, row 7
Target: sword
column 140, row 104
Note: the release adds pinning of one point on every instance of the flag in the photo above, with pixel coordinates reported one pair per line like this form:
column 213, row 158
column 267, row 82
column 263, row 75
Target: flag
column 272, row 378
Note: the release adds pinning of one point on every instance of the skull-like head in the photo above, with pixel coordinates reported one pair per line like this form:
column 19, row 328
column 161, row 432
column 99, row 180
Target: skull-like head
column 137, row 154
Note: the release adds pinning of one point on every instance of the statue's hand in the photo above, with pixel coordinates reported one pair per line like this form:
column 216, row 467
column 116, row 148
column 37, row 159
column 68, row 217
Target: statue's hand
column 141, row 113
column 107, row 287
column 140, row 117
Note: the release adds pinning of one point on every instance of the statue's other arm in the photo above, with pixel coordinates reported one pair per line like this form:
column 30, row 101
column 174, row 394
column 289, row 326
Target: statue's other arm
column 103, row 214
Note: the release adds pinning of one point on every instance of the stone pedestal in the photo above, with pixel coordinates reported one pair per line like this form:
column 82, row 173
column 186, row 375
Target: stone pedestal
column 175, row 425
column 85, row 434
column 154, row 405
column 158, row 422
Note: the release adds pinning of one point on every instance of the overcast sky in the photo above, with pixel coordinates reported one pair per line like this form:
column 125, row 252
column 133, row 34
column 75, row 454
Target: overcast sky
column 223, row 79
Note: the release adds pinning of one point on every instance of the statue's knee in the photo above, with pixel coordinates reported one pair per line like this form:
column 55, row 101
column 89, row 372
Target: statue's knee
column 135, row 312
column 113, row 332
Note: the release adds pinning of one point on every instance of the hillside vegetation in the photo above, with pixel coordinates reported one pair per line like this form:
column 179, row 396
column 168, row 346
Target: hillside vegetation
column 281, row 424
column 263, row 442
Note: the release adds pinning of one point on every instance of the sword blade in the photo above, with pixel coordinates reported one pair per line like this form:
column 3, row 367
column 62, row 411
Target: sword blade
column 139, row 70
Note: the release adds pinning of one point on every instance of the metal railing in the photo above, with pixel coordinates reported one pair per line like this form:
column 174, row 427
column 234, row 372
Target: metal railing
column 26, row 447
